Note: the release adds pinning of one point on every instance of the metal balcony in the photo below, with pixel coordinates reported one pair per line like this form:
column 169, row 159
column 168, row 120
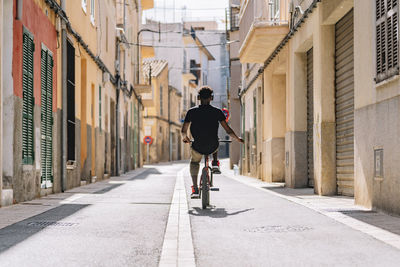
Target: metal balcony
column 262, row 26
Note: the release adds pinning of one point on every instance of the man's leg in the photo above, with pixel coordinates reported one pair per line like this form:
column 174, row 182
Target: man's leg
column 215, row 163
column 195, row 166
column 215, row 156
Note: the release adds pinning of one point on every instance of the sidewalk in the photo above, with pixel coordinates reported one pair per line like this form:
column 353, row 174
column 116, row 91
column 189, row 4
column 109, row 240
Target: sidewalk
column 379, row 225
column 21, row 211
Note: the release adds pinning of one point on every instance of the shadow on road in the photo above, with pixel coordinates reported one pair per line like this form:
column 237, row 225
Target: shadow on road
column 384, row 221
column 387, row 222
column 215, row 212
column 145, row 174
column 141, row 176
column 20, row 231
column 291, row 191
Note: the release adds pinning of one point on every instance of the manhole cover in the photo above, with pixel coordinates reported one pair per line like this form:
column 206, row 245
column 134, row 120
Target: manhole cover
column 51, row 224
column 279, row 229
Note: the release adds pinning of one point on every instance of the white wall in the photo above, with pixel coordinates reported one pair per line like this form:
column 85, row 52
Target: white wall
column 8, row 95
column 174, row 56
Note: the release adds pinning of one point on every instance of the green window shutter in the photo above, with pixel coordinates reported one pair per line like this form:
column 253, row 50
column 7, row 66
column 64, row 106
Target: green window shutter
column 46, row 116
column 27, row 98
column 43, row 113
column 49, row 108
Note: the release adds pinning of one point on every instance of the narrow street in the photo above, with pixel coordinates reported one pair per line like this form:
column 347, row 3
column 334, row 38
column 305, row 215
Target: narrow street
column 130, row 221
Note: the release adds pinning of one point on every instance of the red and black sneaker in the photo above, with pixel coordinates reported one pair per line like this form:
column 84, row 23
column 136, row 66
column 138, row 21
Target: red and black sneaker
column 215, row 167
column 195, row 192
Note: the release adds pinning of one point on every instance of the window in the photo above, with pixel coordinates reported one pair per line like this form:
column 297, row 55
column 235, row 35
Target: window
column 84, row 5
column 387, row 63
column 46, row 125
column 275, row 15
column 70, row 102
column 161, row 100
column 184, row 60
column 185, row 100
column 28, row 100
column 92, row 7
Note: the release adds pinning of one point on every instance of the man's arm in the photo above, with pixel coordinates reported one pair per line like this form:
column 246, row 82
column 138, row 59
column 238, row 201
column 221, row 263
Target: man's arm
column 185, row 137
column 229, row 131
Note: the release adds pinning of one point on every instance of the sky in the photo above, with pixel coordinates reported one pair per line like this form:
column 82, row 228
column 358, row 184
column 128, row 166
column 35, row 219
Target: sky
column 173, row 11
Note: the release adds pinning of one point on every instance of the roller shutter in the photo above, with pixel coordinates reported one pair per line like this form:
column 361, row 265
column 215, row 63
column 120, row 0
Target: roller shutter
column 345, row 105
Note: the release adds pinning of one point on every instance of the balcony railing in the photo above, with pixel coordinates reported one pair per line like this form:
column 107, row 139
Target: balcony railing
column 262, row 12
column 298, row 7
column 233, row 18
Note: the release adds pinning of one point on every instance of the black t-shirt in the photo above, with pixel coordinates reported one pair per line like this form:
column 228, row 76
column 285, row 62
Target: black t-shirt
column 205, row 121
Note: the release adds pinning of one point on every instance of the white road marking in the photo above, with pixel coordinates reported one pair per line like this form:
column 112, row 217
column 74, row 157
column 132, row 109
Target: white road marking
column 178, row 249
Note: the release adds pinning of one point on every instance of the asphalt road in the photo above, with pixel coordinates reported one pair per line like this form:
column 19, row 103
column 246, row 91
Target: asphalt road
column 122, row 222
column 249, row 227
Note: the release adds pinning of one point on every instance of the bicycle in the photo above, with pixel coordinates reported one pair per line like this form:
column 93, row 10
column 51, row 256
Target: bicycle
column 206, row 181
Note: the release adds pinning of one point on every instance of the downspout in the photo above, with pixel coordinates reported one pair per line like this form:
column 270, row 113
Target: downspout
column 169, row 123
column 138, row 134
column 64, row 102
column 117, row 89
column 139, row 104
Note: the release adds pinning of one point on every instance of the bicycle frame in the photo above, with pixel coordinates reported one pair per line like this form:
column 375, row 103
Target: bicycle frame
column 206, row 181
column 209, row 171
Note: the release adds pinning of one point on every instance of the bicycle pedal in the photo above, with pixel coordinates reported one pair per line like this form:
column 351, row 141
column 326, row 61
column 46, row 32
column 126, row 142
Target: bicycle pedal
column 214, row 189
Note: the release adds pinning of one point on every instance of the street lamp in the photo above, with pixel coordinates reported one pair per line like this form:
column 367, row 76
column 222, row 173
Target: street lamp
column 138, row 47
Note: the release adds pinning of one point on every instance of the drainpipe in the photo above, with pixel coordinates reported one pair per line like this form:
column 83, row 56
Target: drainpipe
column 169, row 123
column 64, row 102
column 118, row 76
column 138, row 134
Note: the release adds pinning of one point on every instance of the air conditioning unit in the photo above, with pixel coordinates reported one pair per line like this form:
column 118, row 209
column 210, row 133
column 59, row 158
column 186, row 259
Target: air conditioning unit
column 106, row 77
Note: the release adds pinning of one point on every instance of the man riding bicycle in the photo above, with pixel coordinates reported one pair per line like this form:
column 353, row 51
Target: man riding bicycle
column 204, row 122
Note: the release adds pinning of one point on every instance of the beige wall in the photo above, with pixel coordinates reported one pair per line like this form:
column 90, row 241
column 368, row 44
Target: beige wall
column 158, row 123
column 318, row 32
column 377, row 116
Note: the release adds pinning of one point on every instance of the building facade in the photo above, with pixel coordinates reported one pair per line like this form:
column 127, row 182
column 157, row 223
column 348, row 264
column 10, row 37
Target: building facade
column 73, row 114
column 327, row 75
column 162, row 119
column 235, row 69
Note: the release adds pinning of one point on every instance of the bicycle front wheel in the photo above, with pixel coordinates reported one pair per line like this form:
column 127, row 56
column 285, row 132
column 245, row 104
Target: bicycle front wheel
column 205, row 192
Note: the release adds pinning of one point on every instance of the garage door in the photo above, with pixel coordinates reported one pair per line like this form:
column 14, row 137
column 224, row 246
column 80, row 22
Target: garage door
column 345, row 106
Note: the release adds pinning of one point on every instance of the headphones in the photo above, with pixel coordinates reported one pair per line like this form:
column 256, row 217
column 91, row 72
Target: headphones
column 212, row 93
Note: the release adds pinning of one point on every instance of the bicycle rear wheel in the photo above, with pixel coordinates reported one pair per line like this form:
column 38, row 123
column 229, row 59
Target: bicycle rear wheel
column 205, row 192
